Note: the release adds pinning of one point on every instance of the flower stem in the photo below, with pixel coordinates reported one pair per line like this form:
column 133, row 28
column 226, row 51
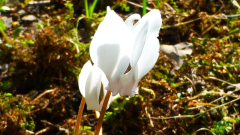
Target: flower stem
column 104, row 108
column 79, row 117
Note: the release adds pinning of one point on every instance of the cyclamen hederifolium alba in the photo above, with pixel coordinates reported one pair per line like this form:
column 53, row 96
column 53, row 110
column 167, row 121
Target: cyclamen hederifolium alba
column 115, row 46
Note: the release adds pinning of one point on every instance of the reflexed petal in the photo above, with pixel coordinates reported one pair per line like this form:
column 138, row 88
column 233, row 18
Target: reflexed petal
column 148, row 57
column 111, row 31
column 150, row 51
column 93, row 87
column 108, row 55
column 129, row 23
column 147, row 27
column 83, row 77
column 119, row 70
column 130, row 20
column 145, row 52
column 155, row 22
column 140, row 34
column 105, row 83
column 128, row 83
column 108, row 48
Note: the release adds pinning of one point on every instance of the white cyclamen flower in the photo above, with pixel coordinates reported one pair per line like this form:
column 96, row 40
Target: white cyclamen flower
column 116, row 45
column 92, row 81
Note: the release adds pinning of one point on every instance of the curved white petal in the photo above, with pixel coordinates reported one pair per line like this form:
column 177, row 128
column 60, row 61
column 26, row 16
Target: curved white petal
column 93, row 87
column 108, row 48
column 150, row 51
column 130, row 20
column 128, row 83
column 82, row 79
column 111, row 31
column 140, row 34
column 155, row 22
column 114, row 82
column 148, row 57
column 129, row 23
column 145, row 52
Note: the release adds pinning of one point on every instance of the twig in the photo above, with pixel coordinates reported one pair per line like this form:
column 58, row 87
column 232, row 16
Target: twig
column 192, row 116
column 214, row 78
column 79, row 117
column 209, row 28
column 42, row 131
column 202, row 129
column 149, row 91
column 149, row 117
column 138, row 5
column 183, row 23
column 104, row 107
column 30, row 132
column 45, row 92
column 234, row 2
column 224, row 94
column 191, row 83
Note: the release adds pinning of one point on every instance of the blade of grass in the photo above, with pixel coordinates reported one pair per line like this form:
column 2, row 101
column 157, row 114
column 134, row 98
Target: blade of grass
column 86, row 8
column 158, row 1
column 104, row 108
column 144, row 7
column 1, row 3
column 92, row 8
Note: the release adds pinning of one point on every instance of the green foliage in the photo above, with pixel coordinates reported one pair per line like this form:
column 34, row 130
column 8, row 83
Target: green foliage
column 144, row 10
column 70, row 13
column 89, row 8
column 221, row 127
column 41, row 25
column 121, row 104
column 175, row 6
column 157, row 3
column 1, row 4
column 5, row 85
column 2, row 26
column 123, row 5
column 17, row 31
column 15, row 114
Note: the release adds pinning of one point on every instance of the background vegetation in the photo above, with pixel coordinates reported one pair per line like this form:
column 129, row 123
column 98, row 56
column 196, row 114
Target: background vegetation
column 40, row 61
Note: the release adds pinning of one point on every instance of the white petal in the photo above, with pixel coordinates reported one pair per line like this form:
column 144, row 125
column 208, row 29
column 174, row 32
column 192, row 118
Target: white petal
column 93, row 87
column 130, row 38
column 148, row 57
column 150, row 51
column 105, row 83
column 130, row 20
column 140, row 34
column 110, row 32
column 145, row 52
column 147, row 27
column 155, row 22
column 108, row 48
column 92, row 92
column 114, row 83
column 128, row 83
column 82, row 79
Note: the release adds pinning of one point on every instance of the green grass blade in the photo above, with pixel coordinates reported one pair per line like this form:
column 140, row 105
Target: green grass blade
column 86, row 8
column 157, row 3
column 144, row 7
column 93, row 7
column 1, row 3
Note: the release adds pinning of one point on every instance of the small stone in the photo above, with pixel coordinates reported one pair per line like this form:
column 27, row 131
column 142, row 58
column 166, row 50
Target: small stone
column 22, row 12
column 29, row 18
